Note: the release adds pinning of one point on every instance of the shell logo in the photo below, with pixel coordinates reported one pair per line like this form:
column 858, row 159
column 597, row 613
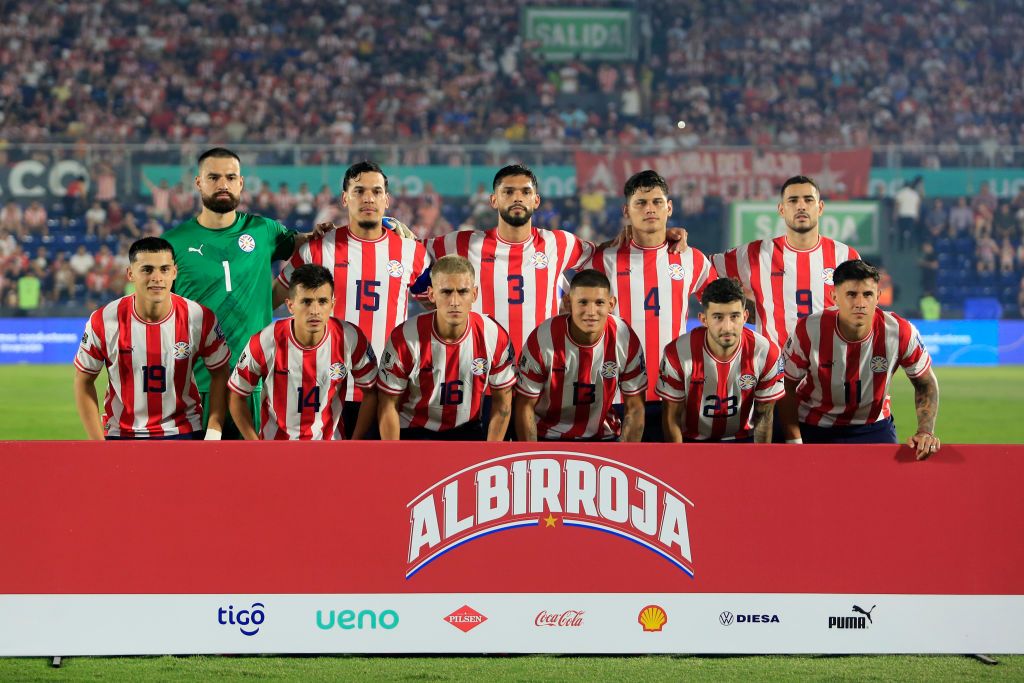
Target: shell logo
column 652, row 618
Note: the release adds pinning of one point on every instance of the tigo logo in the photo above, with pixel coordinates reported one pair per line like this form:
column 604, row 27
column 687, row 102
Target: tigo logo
column 348, row 620
column 652, row 618
column 248, row 621
column 465, row 618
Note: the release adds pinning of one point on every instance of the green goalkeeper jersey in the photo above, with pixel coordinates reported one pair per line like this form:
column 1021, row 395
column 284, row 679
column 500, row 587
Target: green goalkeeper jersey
column 229, row 272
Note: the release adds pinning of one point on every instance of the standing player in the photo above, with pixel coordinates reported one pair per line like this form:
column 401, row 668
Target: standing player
column 840, row 361
column 720, row 382
column 651, row 283
column 571, row 367
column 790, row 276
column 437, row 365
column 373, row 267
column 305, row 363
column 149, row 342
column 519, row 267
column 224, row 258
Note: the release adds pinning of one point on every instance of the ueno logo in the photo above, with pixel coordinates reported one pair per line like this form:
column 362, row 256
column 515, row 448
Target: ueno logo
column 348, row 620
column 513, row 491
column 571, row 617
column 248, row 621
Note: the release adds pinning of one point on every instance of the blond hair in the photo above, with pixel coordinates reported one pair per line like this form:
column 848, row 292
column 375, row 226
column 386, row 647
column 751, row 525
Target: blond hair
column 453, row 265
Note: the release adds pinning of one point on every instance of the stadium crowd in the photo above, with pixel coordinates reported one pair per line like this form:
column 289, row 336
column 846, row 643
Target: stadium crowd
column 765, row 73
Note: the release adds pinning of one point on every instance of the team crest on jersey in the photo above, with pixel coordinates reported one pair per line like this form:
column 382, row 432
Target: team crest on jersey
column 85, row 339
column 478, row 366
column 387, row 360
column 747, row 382
column 371, row 355
column 246, row 243
column 337, row 371
column 826, row 275
column 181, row 350
column 395, row 268
column 540, row 260
column 676, row 271
column 782, row 361
column 218, row 331
column 879, row 364
column 609, row 370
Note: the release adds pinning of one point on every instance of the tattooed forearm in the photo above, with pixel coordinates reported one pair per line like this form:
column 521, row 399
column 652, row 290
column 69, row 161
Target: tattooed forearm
column 926, row 401
column 763, row 422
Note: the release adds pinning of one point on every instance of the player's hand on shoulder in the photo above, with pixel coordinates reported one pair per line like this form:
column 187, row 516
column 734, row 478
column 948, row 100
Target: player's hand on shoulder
column 322, row 228
column 677, row 240
column 398, row 227
column 924, row 444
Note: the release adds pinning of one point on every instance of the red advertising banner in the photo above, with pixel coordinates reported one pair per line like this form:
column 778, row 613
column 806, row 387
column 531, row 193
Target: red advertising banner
column 735, row 173
column 133, row 518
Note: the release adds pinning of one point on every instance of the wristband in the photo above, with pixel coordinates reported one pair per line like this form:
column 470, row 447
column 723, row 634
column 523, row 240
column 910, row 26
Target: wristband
column 799, row 441
column 212, row 435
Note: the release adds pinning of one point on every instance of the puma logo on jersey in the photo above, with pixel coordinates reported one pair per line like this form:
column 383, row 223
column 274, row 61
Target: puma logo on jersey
column 199, row 250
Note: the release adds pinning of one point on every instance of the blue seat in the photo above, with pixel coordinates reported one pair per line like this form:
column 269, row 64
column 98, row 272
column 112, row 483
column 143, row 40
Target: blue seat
column 982, row 308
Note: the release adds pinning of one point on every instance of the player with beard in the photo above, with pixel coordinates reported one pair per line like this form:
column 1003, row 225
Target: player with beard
column 224, row 261
column 789, row 277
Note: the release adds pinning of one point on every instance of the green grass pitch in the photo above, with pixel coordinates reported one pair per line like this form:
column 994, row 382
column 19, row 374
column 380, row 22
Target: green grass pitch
column 977, row 405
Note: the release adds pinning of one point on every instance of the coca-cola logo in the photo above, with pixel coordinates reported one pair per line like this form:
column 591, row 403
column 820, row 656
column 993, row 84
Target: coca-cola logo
column 568, row 618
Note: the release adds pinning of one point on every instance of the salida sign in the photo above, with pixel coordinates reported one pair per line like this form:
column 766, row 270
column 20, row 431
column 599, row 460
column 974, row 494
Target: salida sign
column 545, row 488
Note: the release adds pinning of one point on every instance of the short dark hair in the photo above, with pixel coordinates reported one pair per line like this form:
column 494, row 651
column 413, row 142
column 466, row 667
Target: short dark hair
column 218, row 153
column 590, row 278
column 799, row 180
column 310, row 276
column 515, row 169
column 724, row 290
column 149, row 245
column 359, row 168
column 854, row 271
column 644, row 180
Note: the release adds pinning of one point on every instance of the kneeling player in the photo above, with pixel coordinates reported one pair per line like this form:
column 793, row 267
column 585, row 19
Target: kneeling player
column 306, row 362
column 840, row 361
column 719, row 382
column 571, row 366
column 149, row 342
column 437, row 365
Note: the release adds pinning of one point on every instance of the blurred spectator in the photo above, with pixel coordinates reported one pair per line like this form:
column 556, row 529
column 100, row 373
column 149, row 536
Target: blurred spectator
column 82, row 261
column 95, row 219
column 1006, row 256
column 152, row 228
column 183, row 202
column 10, row 218
column 929, row 264
column 986, row 251
column 34, row 220
column 74, row 194
column 62, row 279
column 936, row 219
column 480, row 212
column 105, row 183
column 305, row 203
column 161, row 199
column 985, row 201
column 908, row 213
column 961, row 217
column 930, row 307
column 29, row 291
column 115, row 220
column 284, row 203
column 592, row 205
column 1004, row 223
column 130, row 226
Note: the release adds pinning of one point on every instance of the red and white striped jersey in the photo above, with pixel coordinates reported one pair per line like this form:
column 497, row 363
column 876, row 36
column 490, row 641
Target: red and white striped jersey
column 788, row 284
column 720, row 394
column 371, row 280
column 519, row 283
column 152, row 392
column 304, row 387
column 847, row 383
column 575, row 384
column 441, row 383
column 653, row 288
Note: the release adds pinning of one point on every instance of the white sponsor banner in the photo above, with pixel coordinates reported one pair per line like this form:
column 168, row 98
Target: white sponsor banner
column 66, row 625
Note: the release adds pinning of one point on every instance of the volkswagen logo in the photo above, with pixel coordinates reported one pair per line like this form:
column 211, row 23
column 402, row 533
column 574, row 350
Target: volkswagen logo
column 725, row 618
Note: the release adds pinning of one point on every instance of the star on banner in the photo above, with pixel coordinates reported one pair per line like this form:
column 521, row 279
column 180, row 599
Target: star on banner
column 549, row 521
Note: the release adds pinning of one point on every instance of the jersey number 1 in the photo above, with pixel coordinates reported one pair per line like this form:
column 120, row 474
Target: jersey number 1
column 227, row 275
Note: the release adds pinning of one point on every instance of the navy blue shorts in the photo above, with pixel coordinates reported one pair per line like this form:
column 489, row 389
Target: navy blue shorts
column 349, row 415
column 471, row 431
column 191, row 436
column 653, row 432
column 883, row 431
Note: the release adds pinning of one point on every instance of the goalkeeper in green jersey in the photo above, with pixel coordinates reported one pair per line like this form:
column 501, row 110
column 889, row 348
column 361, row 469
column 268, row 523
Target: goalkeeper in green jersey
column 224, row 261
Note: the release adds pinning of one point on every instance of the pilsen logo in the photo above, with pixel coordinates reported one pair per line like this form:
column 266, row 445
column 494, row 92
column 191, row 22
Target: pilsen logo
column 529, row 489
